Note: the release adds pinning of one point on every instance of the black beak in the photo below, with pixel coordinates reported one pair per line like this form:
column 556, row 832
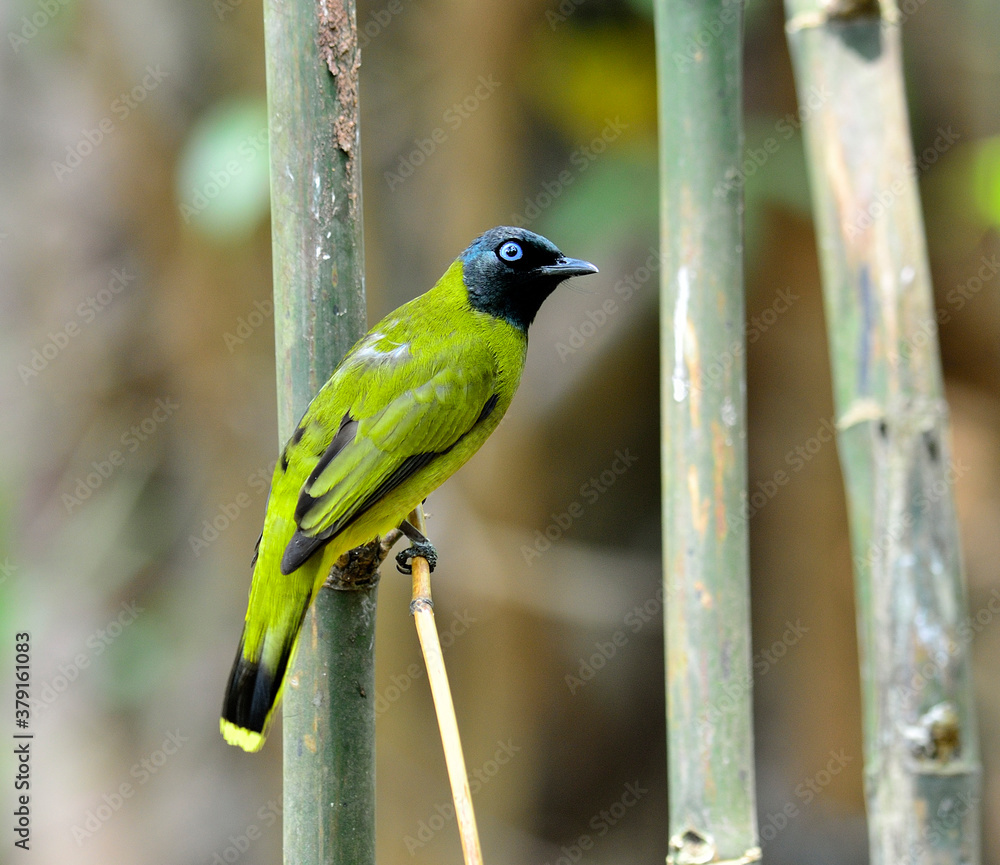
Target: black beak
column 567, row 267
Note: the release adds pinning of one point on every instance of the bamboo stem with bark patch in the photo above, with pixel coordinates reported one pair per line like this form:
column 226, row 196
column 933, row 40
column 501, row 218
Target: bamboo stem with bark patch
column 329, row 716
column 704, row 449
column 922, row 773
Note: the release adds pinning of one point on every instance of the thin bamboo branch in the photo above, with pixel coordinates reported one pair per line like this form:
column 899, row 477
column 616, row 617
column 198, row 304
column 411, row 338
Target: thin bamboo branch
column 422, row 608
column 704, row 462
column 922, row 773
column 329, row 718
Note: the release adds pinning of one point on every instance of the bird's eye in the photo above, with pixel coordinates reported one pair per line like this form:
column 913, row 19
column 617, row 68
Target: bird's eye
column 510, row 251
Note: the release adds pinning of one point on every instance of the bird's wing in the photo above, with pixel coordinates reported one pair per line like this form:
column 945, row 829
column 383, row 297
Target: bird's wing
column 387, row 435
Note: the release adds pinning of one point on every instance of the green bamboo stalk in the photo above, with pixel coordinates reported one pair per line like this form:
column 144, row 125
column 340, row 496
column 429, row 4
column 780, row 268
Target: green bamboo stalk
column 704, row 458
column 922, row 774
column 319, row 300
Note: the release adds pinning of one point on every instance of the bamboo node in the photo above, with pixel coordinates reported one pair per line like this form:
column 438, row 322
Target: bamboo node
column 418, row 605
column 357, row 568
column 691, row 847
column 937, row 735
column 843, row 11
column 863, row 410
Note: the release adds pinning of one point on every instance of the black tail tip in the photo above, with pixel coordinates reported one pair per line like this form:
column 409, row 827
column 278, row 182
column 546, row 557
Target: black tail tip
column 251, row 696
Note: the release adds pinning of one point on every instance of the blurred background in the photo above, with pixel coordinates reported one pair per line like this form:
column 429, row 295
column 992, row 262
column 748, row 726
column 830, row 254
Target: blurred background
column 138, row 399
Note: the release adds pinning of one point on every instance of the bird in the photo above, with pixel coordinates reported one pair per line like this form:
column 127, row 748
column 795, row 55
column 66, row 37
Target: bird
column 407, row 406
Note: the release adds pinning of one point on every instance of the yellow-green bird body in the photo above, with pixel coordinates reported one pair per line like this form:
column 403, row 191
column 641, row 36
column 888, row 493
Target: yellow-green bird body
column 408, row 405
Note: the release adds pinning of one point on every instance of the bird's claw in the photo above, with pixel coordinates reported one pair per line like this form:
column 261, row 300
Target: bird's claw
column 424, row 549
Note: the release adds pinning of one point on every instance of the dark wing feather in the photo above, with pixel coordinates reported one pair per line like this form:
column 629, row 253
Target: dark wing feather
column 345, row 435
column 382, row 441
column 302, row 546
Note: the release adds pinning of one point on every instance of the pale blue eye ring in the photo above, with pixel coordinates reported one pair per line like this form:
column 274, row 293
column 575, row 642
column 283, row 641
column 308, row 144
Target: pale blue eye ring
column 510, row 251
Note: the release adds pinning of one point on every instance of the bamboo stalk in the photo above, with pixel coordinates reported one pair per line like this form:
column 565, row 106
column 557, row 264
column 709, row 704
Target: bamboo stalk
column 422, row 609
column 922, row 774
column 704, row 461
column 329, row 718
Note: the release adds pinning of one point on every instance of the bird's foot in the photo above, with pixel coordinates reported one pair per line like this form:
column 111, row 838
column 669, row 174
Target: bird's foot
column 423, row 548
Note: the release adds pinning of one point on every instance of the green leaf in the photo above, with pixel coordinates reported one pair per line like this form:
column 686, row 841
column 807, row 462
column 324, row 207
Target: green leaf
column 223, row 185
column 622, row 183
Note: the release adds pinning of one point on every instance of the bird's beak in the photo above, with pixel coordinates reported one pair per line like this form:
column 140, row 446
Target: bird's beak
column 567, row 267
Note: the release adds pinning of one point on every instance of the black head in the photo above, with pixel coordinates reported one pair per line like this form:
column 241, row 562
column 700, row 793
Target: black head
column 509, row 272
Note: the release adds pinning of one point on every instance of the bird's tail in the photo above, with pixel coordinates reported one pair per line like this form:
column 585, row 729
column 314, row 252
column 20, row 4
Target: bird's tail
column 266, row 650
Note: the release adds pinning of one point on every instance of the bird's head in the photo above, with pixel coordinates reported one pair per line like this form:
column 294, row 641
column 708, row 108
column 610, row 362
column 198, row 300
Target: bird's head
column 509, row 272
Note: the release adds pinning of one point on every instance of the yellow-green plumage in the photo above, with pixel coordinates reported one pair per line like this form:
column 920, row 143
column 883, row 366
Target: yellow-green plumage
column 409, row 404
